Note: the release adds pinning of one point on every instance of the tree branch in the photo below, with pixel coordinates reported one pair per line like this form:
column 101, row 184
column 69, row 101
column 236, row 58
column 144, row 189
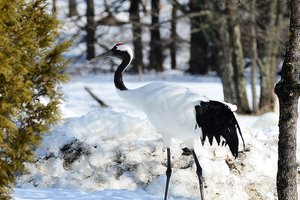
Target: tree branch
column 101, row 103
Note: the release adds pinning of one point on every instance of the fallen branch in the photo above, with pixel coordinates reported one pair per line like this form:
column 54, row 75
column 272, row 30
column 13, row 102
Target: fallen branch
column 101, row 103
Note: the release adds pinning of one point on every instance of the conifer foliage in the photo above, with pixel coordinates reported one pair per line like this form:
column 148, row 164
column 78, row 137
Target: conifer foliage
column 31, row 69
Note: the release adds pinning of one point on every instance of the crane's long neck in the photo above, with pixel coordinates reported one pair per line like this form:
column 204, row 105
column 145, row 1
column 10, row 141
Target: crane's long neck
column 118, row 78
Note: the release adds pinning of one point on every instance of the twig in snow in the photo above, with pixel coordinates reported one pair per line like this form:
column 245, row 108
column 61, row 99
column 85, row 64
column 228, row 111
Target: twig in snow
column 101, row 103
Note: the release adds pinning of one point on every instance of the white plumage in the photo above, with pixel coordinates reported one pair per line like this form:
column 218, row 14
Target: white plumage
column 177, row 112
column 171, row 110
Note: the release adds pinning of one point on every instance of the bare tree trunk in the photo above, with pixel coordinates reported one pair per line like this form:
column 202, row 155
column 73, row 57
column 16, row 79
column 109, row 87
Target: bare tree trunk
column 288, row 92
column 73, row 8
column 156, row 56
column 54, row 7
column 199, row 61
column 237, row 60
column 173, row 46
column 254, row 56
column 226, row 69
column 90, row 29
column 138, row 65
column 268, row 56
column 230, row 56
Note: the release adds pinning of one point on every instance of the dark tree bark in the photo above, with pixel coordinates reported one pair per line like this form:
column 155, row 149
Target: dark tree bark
column 156, row 56
column 199, row 61
column 138, row 65
column 90, row 29
column 288, row 92
column 73, row 8
column 173, row 45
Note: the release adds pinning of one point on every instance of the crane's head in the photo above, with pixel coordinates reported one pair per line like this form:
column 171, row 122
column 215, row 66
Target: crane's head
column 120, row 50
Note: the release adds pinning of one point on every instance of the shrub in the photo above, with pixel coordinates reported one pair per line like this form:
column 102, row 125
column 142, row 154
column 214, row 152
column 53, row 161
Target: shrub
column 31, row 70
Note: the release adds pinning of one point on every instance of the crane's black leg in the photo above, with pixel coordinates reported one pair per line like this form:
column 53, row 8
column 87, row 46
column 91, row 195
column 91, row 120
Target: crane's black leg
column 199, row 174
column 168, row 173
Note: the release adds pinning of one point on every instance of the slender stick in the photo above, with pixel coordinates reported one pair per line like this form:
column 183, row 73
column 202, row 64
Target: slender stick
column 168, row 173
column 101, row 103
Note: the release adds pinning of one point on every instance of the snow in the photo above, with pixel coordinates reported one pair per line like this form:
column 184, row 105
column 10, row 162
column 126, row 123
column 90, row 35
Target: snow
column 58, row 194
column 115, row 153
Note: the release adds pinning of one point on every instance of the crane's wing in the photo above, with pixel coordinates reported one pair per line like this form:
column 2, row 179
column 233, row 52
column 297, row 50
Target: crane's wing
column 216, row 119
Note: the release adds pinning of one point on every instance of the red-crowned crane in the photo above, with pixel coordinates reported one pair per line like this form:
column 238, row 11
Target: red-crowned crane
column 177, row 112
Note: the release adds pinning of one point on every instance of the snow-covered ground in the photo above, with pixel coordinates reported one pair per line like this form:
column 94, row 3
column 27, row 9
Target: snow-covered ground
column 114, row 153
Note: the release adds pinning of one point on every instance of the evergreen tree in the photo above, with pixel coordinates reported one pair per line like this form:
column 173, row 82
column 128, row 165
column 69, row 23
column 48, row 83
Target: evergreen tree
column 31, row 69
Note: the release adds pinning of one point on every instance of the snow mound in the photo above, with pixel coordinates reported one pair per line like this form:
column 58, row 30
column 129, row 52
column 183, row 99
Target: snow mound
column 62, row 194
column 266, row 126
column 113, row 151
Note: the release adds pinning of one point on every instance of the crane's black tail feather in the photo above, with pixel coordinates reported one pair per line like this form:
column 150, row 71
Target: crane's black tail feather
column 217, row 120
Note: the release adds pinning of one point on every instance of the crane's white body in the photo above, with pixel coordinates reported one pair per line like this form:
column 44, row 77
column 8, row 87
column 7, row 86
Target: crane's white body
column 177, row 112
column 170, row 109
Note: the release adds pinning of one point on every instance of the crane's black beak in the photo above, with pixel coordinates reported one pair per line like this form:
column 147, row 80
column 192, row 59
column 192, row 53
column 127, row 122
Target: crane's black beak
column 99, row 57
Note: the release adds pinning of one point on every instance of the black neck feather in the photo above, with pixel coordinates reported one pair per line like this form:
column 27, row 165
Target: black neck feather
column 118, row 78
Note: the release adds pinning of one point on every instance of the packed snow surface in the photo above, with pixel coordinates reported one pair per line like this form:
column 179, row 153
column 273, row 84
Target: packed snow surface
column 115, row 153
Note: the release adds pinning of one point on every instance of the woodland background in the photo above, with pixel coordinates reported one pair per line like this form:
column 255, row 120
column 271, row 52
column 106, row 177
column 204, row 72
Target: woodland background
column 197, row 36
column 241, row 42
